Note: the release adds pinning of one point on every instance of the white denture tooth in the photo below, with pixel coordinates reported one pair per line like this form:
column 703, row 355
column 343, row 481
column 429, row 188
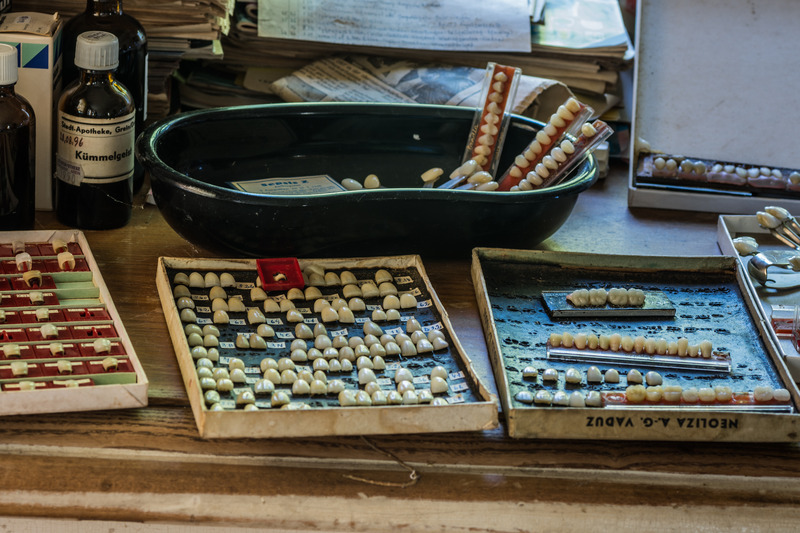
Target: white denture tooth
column 593, row 375
column 573, row 376
column 431, row 174
column 486, row 140
column 683, row 347
column 351, row 185
column 542, row 397
column 654, row 393
column 745, row 245
column 572, row 104
column 567, row 340
column 542, row 171
column 372, row 182
column 627, row 343
column 555, row 340
column 592, row 341
column 557, row 121
column 693, row 351
column 653, row 378
column 671, row 165
column 779, row 213
column 723, row 393
column 576, row 399
column 705, row 349
column 672, row 348
column 690, row 395
column 615, row 342
column 550, row 374
column 561, row 398
column 515, row 172
column 565, row 113
column 763, row 393
column 604, row 342
column 495, row 97
column 531, row 180
column 634, row 376
column 580, row 341
column 659, row 163
column 500, row 76
column 635, row 393
column 529, row 372
column 494, row 109
column 491, row 129
column 465, row 169
column 594, row 399
column 611, row 376
column 521, row 161
column 480, row 177
column 650, row 346
column 781, row 395
column 549, row 162
column 588, row 130
column 706, row 395
column 638, row 344
column 483, row 150
column 558, row 154
column 543, row 138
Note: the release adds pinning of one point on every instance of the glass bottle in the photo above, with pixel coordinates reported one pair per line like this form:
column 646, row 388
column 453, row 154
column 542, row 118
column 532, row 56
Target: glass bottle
column 95, row 140
column 17, row 149
column 107, row 15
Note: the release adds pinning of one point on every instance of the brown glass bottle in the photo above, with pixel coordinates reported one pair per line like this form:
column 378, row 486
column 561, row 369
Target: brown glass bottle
column 95, row 138
column 17, row 149
column 108, row 15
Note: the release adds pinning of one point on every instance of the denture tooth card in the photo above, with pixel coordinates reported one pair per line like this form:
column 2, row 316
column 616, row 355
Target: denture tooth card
column 491, row 120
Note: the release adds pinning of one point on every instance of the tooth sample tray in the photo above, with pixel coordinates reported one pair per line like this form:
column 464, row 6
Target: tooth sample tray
column 62, row 344
column 250, row 410
column 711, row 302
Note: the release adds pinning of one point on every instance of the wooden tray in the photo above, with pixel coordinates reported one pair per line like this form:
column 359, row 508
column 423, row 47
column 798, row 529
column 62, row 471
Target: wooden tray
column 470, row 405
column 56, row 318
column 712, row 302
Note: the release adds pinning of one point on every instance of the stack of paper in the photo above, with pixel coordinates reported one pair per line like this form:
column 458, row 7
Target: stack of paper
column 175, row 29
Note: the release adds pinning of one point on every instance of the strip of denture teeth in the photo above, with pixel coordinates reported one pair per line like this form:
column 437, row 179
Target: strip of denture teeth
column 616, row 296
column 640, row 344
column 718, row 395
column 494, row 107
column 545, row 139
column 755, row 176
column 559, row 158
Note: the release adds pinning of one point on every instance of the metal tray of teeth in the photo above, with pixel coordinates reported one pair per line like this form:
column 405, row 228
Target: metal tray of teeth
column 361, row 346
column 710, row 372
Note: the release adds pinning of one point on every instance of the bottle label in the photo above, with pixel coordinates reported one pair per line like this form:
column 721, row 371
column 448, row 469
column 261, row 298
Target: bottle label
column 94, row 150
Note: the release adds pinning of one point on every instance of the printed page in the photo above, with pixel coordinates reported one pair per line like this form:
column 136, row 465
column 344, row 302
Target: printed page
column 468, row 25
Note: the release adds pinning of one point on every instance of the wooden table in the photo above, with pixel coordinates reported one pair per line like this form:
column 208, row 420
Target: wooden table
column 149, row 465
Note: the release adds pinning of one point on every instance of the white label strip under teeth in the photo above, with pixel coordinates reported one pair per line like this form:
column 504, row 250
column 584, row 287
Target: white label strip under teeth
column 718, row 366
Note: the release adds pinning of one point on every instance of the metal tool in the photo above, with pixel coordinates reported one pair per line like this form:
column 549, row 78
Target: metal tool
column 759, row 264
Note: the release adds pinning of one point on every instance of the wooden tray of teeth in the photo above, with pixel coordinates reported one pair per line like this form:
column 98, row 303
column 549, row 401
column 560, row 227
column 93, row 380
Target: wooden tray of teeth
column 287, row 348
column 62, row 344
column 709, row 372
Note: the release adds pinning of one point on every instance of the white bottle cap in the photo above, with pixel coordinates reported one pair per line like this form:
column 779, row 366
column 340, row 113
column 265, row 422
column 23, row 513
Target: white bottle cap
column 8, row 65
column 97, row 50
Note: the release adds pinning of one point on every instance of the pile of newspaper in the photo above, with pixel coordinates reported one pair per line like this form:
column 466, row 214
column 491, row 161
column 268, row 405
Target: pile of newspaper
column 175, row 29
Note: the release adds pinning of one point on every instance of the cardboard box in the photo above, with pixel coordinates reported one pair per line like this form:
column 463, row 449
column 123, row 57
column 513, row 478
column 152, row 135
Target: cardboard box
column 711, row 301
column 37, row 37
column 470, row 406
column 713, row 80
column 81, row 310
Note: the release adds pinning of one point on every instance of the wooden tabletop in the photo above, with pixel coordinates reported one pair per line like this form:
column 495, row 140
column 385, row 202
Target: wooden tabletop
column 149, row 464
